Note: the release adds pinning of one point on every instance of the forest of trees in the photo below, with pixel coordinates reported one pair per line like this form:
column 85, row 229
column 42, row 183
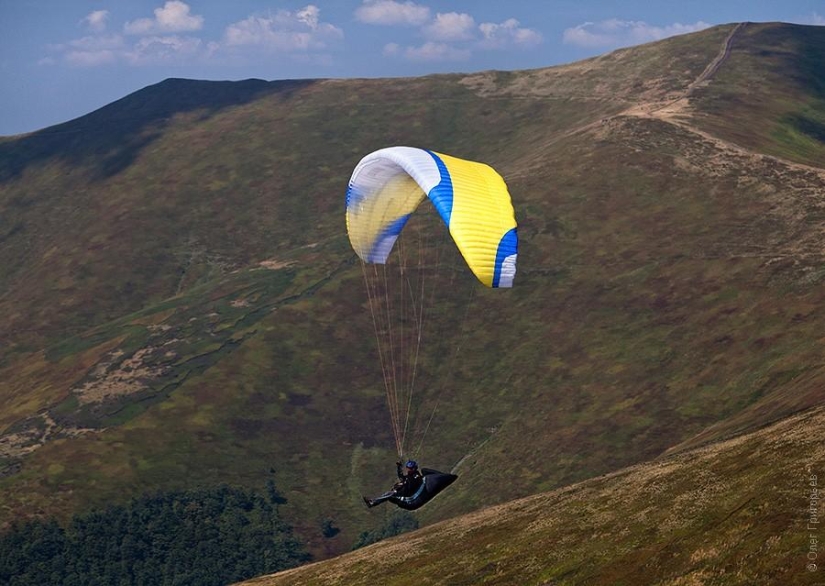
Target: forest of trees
column 205, row 537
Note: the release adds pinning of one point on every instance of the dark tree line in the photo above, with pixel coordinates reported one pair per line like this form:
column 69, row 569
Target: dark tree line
column 205, row 537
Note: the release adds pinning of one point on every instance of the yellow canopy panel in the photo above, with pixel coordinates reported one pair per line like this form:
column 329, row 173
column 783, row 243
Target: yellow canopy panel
column 472, row 199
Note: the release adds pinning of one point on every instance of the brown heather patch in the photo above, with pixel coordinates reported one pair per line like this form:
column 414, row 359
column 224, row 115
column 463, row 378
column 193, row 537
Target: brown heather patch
column 33, row 383
column 131, row 375
column 40, row 429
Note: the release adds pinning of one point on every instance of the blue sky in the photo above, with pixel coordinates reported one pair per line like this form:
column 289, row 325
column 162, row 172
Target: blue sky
column 60, row 59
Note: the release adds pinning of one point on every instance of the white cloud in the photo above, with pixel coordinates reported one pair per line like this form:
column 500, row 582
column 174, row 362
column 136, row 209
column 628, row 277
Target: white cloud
column 173, row 17
column 436, row 52
column 622, row 33
column 87, row 51
column 95, row 43
column 508, row 33
column 451, row 26
column 284, row 31
column 97, row 50
column 257, row 31
column 155, row 44
column 90, row 58
column 163, row 49
column 454, row 36
column 309, row 16
column 80, row 58
column 96, row 20
column 391, row 12
column 300, row 32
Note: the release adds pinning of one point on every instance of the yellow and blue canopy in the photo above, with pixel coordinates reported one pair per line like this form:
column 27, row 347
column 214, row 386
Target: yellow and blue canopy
column 472, row 199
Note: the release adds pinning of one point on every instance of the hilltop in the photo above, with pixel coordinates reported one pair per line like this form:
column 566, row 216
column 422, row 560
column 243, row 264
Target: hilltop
column 182, row 308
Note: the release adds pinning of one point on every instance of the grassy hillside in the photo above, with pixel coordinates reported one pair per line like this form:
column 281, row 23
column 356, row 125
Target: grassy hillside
column 737, row 512
column 182, row 307
column 782, row 115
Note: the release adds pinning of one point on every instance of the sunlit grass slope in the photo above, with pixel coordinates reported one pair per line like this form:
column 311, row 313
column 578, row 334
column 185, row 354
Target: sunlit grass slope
column 738, row 512
column 782, row 113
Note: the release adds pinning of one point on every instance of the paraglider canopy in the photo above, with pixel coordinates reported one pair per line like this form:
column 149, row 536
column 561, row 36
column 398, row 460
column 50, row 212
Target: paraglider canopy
column 417, row 291
column 471, row 198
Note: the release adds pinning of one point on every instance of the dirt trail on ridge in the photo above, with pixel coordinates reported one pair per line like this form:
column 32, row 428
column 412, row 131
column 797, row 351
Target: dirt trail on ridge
column 677, row 110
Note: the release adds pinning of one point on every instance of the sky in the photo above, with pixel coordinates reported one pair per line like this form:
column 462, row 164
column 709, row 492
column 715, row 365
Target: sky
column 60, row 59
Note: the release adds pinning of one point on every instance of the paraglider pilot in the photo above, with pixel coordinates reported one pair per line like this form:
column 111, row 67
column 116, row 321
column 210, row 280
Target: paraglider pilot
column 410, row 480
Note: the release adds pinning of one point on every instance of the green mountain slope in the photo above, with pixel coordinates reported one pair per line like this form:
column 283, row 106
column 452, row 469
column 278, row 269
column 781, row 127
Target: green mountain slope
column 744, row 511
column 182, row 307
column 782, row 115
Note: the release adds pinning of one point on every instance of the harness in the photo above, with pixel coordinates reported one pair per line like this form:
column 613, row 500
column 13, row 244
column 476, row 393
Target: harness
column 418, row 493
